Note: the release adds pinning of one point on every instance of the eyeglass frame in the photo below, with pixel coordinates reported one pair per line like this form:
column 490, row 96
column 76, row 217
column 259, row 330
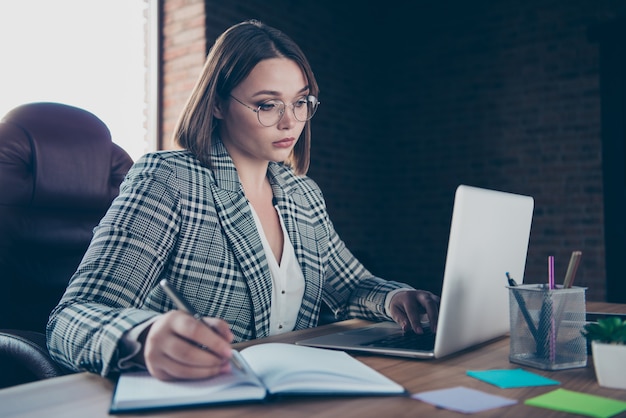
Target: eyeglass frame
column 293, row 109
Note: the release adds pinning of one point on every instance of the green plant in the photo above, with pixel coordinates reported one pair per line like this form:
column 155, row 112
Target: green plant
column 610, row 330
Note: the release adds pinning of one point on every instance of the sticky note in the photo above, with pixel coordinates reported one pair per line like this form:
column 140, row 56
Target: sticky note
column 511, row 378
column 462, row 399
column 578, row 403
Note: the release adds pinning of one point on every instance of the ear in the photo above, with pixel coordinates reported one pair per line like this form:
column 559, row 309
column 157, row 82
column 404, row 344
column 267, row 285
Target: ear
column 217, row 109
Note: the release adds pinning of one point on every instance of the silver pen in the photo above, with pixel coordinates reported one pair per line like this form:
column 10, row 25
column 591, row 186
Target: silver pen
column 184, row 306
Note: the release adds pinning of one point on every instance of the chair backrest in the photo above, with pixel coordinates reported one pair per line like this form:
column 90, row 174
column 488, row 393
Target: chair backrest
column 59, row 172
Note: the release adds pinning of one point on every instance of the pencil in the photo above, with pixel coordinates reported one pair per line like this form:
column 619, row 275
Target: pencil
column 522, row 306
column 551, row 272
column 574, row 261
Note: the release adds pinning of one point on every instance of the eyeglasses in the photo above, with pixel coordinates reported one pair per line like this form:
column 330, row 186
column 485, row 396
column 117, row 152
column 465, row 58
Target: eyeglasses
column 271, row 112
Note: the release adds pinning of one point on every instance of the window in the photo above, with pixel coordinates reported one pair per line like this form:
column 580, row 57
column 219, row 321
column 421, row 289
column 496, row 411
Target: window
column 93, row 54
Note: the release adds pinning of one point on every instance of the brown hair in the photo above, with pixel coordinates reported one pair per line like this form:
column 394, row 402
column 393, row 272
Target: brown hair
column 230, row 60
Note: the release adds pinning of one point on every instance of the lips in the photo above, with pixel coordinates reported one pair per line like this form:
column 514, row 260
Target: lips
column 284, row 143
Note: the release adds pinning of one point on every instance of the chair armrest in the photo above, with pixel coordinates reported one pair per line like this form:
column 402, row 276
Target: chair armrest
column 24, row 358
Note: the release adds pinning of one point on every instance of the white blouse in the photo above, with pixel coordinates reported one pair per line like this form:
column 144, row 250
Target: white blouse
column 287, row 281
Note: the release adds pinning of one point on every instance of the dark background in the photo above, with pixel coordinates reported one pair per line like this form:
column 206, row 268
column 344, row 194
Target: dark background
column 419, row 97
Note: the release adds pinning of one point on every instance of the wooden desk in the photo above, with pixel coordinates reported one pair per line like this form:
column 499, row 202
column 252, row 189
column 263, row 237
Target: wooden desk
column 86, row 395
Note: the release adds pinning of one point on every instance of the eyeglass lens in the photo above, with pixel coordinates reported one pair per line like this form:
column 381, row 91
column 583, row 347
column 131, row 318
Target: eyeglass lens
column 272, row 111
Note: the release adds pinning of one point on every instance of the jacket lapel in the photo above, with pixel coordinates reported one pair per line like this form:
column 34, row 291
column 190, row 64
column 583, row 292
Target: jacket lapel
column 238, row 224
column 292, row 207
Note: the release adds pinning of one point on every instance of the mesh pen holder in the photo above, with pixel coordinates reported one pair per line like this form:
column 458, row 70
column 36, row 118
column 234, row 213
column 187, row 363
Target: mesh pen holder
column 546, row 327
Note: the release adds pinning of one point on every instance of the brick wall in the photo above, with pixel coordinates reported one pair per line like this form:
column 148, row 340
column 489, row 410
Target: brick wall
column 418, row 97
column 504, row 95
column 183, row 51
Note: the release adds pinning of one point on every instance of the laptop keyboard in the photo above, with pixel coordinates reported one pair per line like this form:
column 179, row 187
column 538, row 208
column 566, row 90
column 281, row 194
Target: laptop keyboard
column 409, row 340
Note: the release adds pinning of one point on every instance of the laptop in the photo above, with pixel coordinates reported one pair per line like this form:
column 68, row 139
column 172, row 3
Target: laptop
column 489, row 236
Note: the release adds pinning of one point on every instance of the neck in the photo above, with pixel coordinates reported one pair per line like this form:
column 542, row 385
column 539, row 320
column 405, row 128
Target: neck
column 253, row 178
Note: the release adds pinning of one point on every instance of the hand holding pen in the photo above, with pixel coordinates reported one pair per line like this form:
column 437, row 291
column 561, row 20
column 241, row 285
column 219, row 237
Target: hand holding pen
column 182, row 345
column 187, row 308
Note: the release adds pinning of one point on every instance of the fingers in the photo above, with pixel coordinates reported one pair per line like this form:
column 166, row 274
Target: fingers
column 221, row 327
column 177, row 346
column 410, row 308
column 431, row 305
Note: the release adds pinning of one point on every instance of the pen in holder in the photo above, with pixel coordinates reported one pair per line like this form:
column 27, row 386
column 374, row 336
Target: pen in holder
column 546, row 326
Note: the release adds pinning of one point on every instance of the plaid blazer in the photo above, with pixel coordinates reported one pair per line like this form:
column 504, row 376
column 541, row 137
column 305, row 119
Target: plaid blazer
column 176, row 219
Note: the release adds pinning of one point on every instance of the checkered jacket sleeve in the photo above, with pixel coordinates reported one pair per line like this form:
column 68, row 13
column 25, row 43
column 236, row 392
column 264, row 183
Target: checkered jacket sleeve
column 176, row 219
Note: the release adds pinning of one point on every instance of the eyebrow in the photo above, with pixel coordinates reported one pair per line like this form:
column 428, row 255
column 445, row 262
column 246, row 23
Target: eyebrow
column 276, row 93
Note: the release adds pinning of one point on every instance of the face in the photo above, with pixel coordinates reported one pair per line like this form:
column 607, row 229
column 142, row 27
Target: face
column 249, row 142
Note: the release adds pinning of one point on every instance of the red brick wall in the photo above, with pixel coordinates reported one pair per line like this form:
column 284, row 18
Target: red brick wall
column 419, row 97
column 183, row 51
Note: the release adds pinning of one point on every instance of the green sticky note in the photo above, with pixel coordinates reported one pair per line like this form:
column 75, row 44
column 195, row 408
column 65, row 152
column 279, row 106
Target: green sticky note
column 578, row 403
column 515, row 378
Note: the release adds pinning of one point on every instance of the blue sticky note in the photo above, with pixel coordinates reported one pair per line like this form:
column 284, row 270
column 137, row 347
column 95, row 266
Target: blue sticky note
column 511, row 378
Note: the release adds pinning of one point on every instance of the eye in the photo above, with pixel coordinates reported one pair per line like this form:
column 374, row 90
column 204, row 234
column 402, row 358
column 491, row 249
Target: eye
column 301, row 102
column 270, row 105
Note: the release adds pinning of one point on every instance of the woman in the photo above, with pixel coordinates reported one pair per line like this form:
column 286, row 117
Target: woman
column 231, row 221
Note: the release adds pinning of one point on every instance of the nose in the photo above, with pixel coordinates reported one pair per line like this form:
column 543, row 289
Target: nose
column 288, row 120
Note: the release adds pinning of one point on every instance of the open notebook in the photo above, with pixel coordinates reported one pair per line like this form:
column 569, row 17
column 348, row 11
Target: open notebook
column 489, row 236
column 270, row 371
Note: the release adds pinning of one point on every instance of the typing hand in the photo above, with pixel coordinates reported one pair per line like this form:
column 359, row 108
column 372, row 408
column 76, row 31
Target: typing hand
column 412, row 308
column 177, row 346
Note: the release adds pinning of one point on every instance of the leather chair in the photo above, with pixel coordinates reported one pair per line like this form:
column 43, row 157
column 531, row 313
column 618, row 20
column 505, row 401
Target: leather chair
column 59, row 172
